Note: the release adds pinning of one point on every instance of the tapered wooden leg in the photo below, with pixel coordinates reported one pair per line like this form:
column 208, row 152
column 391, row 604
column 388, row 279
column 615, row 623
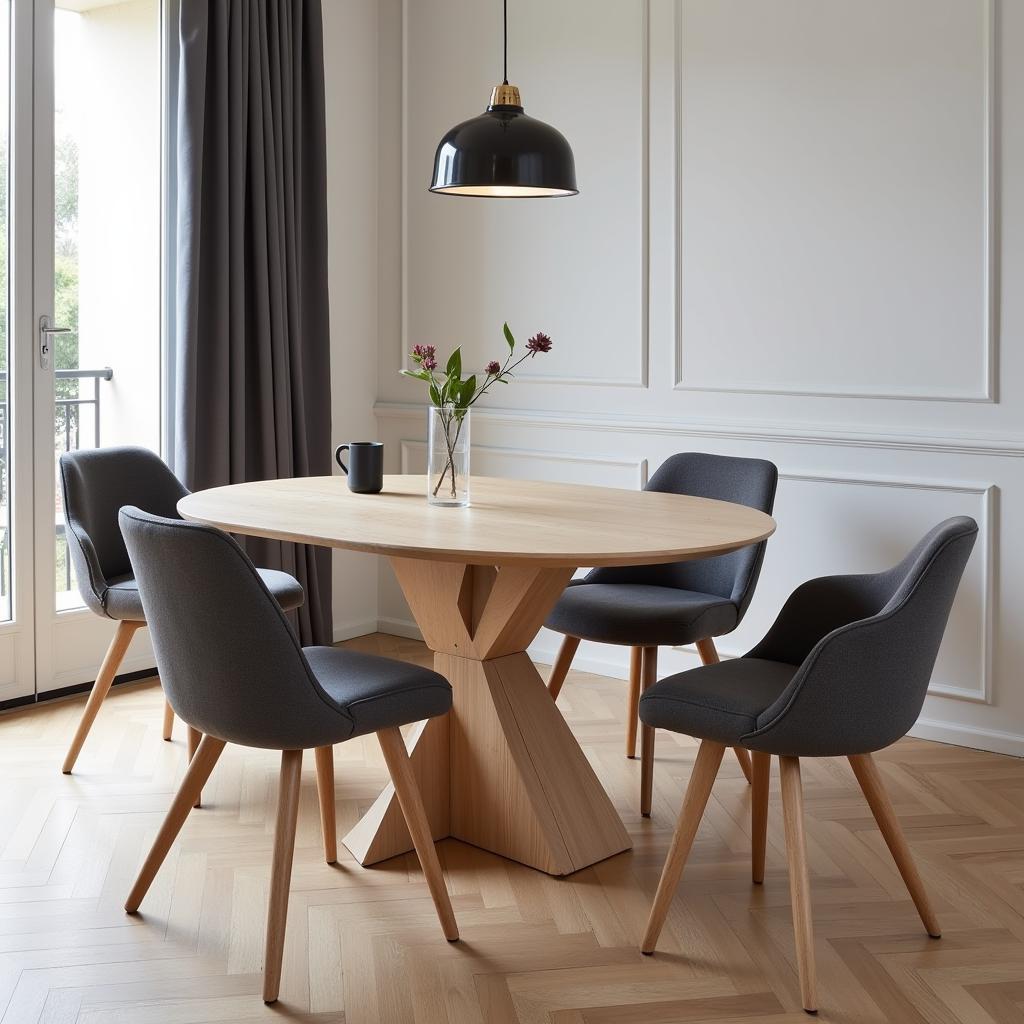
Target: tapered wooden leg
column 744, row 759
column 281, row 870
column 709, row 656
column 168, row 720
column 636, row 657
column 195, row 778
column 705, row 768
column 111, row 663
column 194, row 736
column 759, row 814
column 411, row 802
column 799, row 880
column 560, row 669
column 325, row 790
column 870, row 780
column 648, row 677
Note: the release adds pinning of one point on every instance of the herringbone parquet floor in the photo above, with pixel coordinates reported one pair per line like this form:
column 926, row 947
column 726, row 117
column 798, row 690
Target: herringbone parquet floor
column 364, row 945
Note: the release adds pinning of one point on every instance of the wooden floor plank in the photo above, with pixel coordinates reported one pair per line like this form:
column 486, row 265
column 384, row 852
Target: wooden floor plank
column 363, row 946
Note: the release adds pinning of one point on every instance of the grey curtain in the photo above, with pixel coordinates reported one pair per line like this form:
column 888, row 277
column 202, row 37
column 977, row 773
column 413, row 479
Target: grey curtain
column 252, row 367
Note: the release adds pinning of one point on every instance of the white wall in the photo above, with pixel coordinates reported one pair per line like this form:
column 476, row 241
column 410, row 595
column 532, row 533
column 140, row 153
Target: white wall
column 117, row 91
column 350, row 45
column 798, row 233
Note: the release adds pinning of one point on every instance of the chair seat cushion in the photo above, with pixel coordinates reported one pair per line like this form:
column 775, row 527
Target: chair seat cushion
column 640, row 615
column 716, row 702
column 378, row 692
column 122, row 599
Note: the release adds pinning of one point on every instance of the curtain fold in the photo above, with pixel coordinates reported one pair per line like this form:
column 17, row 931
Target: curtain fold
column 252, row 370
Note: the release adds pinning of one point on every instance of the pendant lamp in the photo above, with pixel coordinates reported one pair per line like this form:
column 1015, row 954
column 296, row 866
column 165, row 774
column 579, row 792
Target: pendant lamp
column 504, row 153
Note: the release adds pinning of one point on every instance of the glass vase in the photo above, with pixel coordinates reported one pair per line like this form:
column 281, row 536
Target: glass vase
column 448, row 456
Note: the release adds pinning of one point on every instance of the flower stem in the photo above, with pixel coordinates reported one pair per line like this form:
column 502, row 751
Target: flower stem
column 450, row 445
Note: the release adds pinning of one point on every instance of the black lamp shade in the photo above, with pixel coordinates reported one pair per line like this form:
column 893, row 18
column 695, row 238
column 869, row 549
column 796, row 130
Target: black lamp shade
column 504, row 153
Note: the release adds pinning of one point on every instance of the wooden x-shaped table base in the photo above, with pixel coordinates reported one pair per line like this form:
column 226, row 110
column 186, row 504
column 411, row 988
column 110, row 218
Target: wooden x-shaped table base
column 502, row 771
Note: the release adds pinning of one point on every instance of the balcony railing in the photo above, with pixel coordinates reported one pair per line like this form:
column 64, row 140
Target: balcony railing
column 67, row 436
column 71, row 407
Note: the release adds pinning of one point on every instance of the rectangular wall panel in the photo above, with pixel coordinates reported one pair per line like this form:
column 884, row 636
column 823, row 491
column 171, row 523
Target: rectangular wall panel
column 830, row 524
column 835, row 202
column 572, row 267
column 532, row 464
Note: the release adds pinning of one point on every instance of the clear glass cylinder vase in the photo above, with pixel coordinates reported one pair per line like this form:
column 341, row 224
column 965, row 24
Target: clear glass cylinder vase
column 448, row 456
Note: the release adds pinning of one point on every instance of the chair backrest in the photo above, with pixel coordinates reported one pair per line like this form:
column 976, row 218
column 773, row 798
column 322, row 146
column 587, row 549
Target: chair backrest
column 863, row 684
column 95, row 484
column 229, row 663
column 750, row 482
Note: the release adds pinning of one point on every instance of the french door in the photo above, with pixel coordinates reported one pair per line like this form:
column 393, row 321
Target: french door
column 80, row 324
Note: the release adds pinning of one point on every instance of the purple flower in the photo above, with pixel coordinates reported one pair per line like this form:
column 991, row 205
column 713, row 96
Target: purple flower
column 423, row 352
column 494, row 367
column 429, row 362
column 540, row 342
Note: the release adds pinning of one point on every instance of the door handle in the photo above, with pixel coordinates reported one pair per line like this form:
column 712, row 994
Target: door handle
column 45, row 330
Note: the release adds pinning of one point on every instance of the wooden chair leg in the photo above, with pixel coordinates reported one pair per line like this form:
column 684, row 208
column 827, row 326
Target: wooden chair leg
column 759, row 814
column 705, row 768
column 195, row 778
column 799, row 880
column 168, row 720
column 709, row 656
column 636, row 657
column 411, row 801
column 560, row 669
column 281, row 870
column 111, row 663
column 194, row 738
column 325, row 791
column 648, row 677
column 870, row 780
column 743, row 757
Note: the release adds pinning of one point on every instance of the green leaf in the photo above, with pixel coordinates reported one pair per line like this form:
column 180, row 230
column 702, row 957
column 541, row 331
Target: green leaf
column 435, row 394
column 467, row 391
column 508, row 337
column 454, row 367
column 416, row 374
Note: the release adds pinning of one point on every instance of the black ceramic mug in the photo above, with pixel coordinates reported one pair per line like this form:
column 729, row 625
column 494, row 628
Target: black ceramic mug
column 365, row 470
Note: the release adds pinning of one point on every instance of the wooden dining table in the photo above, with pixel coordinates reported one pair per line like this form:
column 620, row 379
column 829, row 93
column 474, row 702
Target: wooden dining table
column 503, row 771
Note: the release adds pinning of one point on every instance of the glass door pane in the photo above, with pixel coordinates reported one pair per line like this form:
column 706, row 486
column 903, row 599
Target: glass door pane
column 106, row 268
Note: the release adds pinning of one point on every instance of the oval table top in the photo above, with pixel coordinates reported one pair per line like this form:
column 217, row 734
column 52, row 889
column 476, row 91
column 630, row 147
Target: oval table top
column 520, row 522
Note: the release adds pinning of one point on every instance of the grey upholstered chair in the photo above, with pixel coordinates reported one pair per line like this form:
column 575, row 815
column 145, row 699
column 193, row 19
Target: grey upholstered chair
column 843, row 672
column 95, row 484
column 675, row 603
column 233, row 669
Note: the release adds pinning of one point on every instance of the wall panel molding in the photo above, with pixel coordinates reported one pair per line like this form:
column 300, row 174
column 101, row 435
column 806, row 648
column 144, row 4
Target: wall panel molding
column 642, row 380
column 989, row 326
column 413, row 455
column 988, row 543
column 779, row 433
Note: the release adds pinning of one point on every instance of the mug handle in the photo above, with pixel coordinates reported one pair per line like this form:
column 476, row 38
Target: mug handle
column 337, row 457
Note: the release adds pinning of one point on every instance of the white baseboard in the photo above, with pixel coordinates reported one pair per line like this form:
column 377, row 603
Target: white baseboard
column 608, row 660
column 400, row 627
column 605, row 660
column 353, row 628
column 969, row 736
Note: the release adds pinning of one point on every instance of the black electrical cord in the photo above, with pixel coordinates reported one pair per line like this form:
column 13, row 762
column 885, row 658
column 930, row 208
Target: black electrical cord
column 505, row 6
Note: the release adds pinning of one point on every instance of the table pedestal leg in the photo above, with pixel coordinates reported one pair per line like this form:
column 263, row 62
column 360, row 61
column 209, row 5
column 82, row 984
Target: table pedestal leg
column 503, row 771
